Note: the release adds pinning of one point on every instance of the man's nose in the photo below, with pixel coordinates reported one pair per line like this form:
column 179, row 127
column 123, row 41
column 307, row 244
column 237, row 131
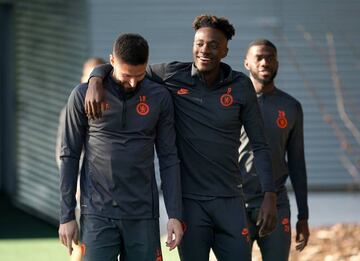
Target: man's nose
column 205, row 48
column 133, row 82
column 264, row 62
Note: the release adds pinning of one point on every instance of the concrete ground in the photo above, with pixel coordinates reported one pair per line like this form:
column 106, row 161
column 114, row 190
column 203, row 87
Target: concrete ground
column 325, row 208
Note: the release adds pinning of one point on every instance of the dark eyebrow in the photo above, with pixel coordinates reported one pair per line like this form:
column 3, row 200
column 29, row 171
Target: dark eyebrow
column 134, row 75
column 210, row 42
column 265, row 55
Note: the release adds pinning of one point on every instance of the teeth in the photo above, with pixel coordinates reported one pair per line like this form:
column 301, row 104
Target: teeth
column 204, row 59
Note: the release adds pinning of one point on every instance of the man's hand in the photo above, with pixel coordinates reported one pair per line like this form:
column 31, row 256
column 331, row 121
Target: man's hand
column 68, row 232
column 302, row 234
column 174, row 233
column 95, row 103
column 267, row 214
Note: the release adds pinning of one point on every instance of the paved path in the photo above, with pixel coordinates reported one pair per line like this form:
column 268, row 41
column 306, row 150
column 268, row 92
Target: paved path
column 326, row 208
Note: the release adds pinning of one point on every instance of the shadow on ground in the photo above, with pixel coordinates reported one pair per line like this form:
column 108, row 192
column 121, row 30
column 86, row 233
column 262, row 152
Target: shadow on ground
column 17, row 224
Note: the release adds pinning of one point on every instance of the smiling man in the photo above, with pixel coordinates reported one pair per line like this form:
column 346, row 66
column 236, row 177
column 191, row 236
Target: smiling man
column 212, row 102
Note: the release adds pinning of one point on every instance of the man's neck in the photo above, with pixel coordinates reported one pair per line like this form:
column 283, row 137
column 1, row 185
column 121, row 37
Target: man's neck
column 211, row 78
column 263, row 88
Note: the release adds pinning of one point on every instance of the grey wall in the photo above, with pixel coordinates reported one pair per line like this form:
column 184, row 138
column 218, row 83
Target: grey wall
column 50, row 48
column 315, row 65
column 299, row 29
column 7, row 99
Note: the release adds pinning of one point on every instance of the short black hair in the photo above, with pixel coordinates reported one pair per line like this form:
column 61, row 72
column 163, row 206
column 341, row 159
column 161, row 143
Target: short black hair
column 213, row 21
column 132, row 49
column 261, row 41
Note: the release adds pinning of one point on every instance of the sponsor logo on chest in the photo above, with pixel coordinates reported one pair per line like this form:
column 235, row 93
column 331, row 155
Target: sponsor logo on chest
column 183, row 91
column 227, row 99
column 281, row 120
column 142, row 108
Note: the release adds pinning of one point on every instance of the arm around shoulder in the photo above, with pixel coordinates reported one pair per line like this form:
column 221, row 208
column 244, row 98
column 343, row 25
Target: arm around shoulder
column 95, row 103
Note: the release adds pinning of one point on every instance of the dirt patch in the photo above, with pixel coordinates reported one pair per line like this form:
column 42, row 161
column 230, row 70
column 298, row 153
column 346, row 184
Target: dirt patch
column 340, row 242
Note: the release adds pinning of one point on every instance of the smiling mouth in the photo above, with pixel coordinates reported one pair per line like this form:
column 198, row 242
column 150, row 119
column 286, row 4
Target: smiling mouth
column 204, row 59
column 265, row 72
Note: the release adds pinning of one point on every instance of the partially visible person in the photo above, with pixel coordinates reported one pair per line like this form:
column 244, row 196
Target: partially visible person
column 212, row 102
column 119, row 197
column 283, row 121
column 88, row 66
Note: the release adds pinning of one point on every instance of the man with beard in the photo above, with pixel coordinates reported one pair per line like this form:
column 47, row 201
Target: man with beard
column 119, row 196
column 212, row 102
column 283, row 121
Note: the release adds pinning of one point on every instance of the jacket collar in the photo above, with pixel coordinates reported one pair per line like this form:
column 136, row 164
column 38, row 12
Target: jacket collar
column 226, row 74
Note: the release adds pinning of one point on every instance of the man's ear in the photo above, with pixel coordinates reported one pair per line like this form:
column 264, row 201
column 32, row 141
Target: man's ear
column 246, row 64
column 225, row 53
column 112, row 59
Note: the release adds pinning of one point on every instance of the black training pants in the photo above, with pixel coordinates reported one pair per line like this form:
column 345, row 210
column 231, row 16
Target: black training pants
column 219, row 224
column 134, row 240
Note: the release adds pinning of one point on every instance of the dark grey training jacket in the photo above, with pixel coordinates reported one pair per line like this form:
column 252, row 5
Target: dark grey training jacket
column 283, row 121
column 117, row 176
column 208, row 120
